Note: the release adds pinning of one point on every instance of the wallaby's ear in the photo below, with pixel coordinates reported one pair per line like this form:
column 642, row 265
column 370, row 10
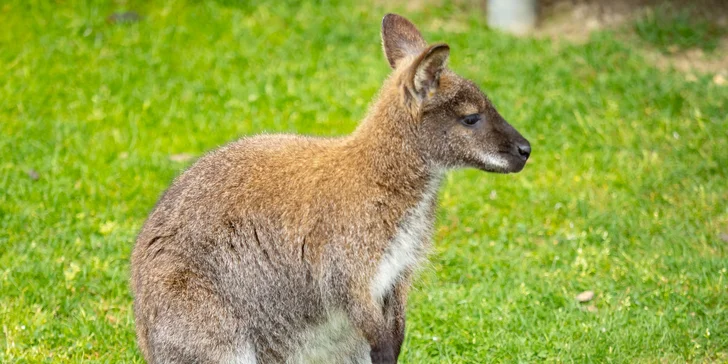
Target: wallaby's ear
column 425, row 71
column 400, row 38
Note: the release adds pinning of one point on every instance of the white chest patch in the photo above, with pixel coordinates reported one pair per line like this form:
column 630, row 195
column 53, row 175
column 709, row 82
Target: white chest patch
column 408, row 246
column 333, row 341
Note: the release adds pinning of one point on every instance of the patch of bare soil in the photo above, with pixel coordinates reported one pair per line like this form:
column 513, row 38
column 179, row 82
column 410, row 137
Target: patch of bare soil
column 574, row 20
column 693, row 61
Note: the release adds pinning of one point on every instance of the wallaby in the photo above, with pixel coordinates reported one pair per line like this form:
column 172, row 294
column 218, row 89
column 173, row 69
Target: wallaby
column 292, row 249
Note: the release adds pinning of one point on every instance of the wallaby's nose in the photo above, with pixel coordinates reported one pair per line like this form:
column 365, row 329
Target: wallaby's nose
column 524, row 150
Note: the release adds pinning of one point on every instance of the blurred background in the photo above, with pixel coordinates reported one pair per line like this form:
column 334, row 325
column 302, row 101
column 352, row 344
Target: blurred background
column 609, row 247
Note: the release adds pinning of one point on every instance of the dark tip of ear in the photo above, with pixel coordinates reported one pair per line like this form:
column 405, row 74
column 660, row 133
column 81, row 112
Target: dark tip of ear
column 437, row 48
column 400, row 38
column 388, row 18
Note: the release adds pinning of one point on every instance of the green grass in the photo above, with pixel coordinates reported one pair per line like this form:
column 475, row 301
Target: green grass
column 667, row 27
column 626, row 193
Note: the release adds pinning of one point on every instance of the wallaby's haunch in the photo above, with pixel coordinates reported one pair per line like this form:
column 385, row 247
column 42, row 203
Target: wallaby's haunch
column 291, row 249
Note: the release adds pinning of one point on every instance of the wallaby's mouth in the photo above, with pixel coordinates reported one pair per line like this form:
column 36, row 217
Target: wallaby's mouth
column 512, row 160
column 501, row 162
column 515, row 164
column 511, row 154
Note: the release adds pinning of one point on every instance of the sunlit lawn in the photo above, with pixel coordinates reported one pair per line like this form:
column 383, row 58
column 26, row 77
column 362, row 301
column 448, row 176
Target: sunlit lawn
column 626, row 193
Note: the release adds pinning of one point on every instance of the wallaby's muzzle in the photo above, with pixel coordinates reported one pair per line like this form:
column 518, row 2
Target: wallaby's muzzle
column 519, row 151
column 504, row 149
column 524, row 149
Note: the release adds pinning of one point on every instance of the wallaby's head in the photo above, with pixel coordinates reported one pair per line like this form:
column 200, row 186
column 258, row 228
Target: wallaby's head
column 453, row 121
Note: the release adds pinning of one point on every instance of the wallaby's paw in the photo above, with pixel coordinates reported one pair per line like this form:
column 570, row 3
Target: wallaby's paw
column 383, row 355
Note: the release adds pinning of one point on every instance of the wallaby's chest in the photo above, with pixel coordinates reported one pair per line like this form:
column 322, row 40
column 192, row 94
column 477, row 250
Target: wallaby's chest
column 407, row 247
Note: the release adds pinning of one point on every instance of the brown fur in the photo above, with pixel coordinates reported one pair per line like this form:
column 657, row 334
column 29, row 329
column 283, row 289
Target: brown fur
column 266, row 238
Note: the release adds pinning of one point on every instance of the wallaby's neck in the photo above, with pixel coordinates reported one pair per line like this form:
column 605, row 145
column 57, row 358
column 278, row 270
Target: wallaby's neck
column 386, row 147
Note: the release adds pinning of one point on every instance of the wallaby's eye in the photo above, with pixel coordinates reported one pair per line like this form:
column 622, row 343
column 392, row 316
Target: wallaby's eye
column 471, row 120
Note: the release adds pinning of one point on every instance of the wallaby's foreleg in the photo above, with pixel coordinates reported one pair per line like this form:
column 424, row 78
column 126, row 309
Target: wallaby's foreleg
column 395, row 304
column 368, row 316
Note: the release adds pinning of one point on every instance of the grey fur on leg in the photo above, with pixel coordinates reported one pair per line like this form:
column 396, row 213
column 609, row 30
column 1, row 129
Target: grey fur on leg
column 394, row 307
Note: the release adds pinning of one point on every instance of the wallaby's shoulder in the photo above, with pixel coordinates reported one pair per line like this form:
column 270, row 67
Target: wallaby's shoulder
column 271, row 167
column 248, row 155
column 267, row 146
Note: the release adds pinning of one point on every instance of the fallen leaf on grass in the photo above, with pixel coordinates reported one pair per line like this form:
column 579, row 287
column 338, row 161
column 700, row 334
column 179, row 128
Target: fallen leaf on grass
column 33, row 174
column 724, row 237
column 182, row 157
column 585, row 296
